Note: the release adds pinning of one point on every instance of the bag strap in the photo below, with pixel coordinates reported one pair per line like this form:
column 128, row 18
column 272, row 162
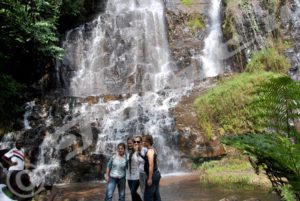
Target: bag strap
column 143, row 157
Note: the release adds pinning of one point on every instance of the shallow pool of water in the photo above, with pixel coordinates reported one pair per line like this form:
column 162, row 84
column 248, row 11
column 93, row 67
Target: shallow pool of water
column 173, row 188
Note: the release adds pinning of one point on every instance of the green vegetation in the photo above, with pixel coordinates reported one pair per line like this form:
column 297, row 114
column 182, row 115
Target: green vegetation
column 29, row 37
column 186, row 2
column 273, row 6
column 222, row 109
column 287, row 194
column 196, row 23
column 268, row 59
column 231, row 173
column 238, row 12
column 9, row 101
column 276, row 149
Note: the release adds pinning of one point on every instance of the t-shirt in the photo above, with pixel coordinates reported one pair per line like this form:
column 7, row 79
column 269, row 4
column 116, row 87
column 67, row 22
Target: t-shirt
column 117, row 165
column 16, row 156
column 133, row 174
column 4, row 197
column 142, row 160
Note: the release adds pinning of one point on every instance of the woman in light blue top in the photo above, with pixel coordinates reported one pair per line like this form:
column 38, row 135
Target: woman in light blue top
column 115, row 174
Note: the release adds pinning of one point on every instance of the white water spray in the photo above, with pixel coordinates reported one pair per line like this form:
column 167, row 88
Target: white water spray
column 28, row 107
column 124, row 54
column 213, row 49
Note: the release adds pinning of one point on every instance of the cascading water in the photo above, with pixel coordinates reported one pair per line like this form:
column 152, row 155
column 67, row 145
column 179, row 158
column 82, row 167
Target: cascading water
column 123, row 54
column 297, row 3
column 108, row 55
column 29, row 106
column 212, row 56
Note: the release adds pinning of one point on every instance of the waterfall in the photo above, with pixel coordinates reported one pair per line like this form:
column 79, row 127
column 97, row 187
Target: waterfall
column 298, row 3
column 28, row 110
column 122, row 60
column 213, row 49
column 124, row 50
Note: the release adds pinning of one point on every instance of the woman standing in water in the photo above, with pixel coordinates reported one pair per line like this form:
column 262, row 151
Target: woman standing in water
column 152, row 172
column 115, row 174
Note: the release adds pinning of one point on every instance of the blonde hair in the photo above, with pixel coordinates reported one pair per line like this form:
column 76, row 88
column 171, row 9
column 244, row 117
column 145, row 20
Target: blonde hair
column 139, row 137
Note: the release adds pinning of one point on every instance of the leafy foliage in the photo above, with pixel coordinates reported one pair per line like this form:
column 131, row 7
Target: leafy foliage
column 287, row 194
column 268, row 59
column 222, row 109
column 28, row 38
column 196, row 23
column 186, row 2
column 31, row 26
column 278, row 104
column 277, row 149
column 9, row 99
column 73, row 12
column 231, row 173
column 72, row 7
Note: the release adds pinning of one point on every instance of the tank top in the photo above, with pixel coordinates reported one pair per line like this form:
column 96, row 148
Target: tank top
column 155, row 167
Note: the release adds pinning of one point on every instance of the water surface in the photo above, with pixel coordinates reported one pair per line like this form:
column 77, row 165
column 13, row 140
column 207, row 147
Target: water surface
column 173, row 188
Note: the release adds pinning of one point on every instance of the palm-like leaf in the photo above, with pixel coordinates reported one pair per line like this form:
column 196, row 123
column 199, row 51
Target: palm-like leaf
column 278, row 149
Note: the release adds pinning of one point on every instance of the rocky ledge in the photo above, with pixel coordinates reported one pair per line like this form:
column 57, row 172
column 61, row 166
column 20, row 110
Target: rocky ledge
column 192, row 142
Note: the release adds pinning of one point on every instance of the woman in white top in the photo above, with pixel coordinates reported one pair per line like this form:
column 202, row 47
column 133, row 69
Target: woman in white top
column 141, row 158
column 132, row 172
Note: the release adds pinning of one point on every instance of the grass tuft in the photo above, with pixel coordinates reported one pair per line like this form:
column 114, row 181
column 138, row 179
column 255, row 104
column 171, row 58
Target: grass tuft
column 231, row 173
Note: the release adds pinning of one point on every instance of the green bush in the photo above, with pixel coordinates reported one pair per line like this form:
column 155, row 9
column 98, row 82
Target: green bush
column 276, row 149
column 186, row 2
column 196, row 23
column 222, row 109
column 268, row 59
column 231, row 173
column 9, row 101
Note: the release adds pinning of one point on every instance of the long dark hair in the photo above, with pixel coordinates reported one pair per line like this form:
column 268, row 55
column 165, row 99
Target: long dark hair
column 130, row 153
column 122, row 144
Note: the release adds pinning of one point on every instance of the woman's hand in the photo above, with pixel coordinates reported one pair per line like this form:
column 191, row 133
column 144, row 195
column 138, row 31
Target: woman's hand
column 106, row 178
column 149, row 181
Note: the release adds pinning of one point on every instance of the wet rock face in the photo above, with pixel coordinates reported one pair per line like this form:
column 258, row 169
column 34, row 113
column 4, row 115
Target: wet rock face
column 186, row 43
column 77, row 162
column 191, row 141
column 186, row 39
column 248, row 27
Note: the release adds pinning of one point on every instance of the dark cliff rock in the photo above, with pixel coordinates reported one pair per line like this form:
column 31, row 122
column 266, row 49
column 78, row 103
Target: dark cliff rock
column 54, row 124
column 191, row 141
column 186, row 42
column 249, row 26
column 186, row 39
column 90, row 9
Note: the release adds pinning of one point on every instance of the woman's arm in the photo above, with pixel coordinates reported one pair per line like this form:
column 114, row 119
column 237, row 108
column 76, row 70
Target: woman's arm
column 108, row 168
column 107, row 174
column 150, row 155
column 8, row 161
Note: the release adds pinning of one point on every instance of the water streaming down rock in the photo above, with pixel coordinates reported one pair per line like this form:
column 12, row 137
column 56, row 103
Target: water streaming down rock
column 212, row 56
column 29, row 106
column 120, row 61
column 125, row 50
